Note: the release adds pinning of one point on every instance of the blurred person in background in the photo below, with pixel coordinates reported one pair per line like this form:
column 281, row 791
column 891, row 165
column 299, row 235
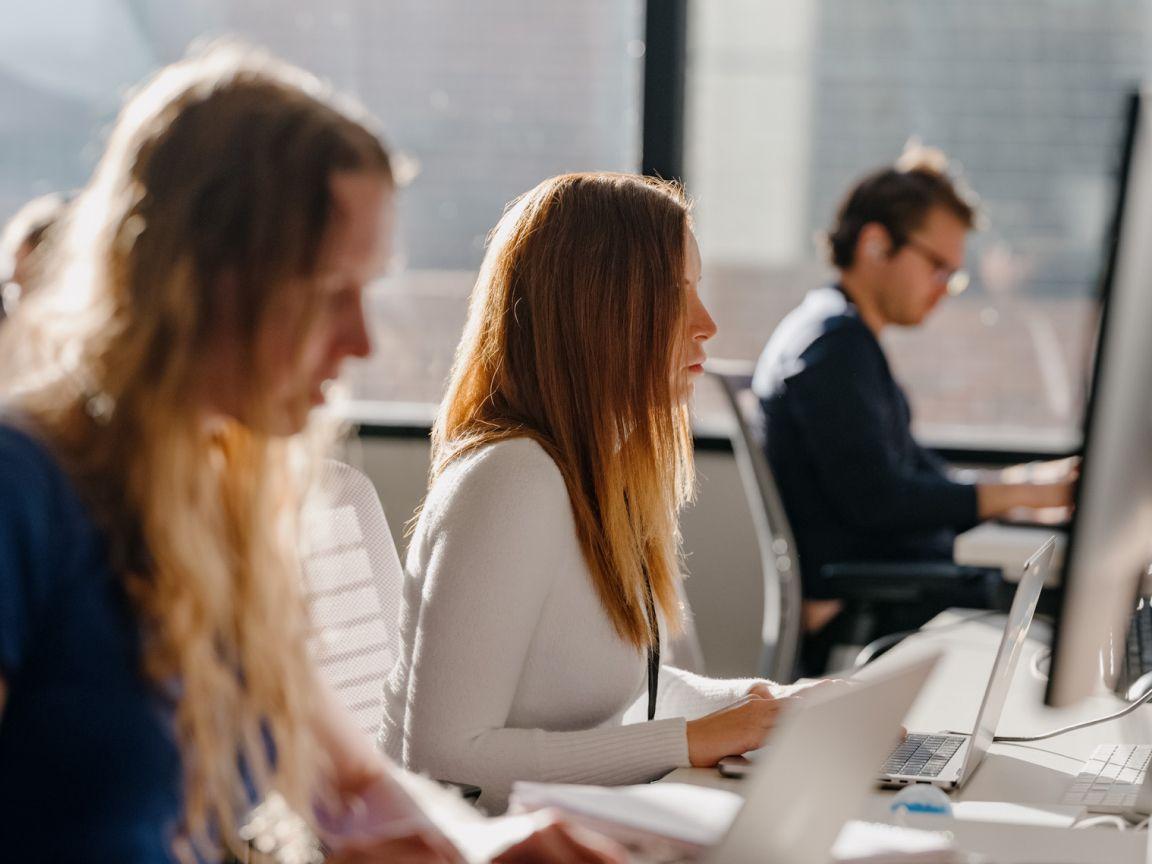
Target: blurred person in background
column 157, row 437
column 838, row 430
column 21, row 252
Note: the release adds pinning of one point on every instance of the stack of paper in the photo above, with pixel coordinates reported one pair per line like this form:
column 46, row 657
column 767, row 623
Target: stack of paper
column 678, row 821
column 659, row 821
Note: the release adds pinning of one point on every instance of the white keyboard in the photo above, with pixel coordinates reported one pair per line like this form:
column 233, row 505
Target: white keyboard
column 1110, row 781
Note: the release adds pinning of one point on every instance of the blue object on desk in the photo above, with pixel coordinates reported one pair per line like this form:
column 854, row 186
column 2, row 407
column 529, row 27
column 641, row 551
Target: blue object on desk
column 921, row 798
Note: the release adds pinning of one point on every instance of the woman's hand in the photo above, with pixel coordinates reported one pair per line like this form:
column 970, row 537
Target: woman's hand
column 558, row 842
column 743, row 725
column 798, row 690
column 420, row 847
column 734, row 729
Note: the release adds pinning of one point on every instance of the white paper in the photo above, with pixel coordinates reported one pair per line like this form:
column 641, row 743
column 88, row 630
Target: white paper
column 696, row 815
column 877, row 843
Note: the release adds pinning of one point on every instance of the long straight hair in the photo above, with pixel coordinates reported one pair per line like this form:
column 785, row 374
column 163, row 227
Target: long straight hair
column 572, row 337
column 211, row 202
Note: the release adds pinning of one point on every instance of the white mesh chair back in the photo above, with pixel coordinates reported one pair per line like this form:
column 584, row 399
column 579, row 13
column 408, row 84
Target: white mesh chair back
column 354, row 583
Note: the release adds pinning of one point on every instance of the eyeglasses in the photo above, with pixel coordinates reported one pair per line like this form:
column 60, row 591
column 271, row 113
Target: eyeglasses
column 954, row 279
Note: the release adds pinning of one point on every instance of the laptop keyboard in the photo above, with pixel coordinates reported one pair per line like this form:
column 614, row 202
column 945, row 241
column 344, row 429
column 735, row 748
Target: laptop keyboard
column 1111, row 779
column 923, row 755
column 1137, row 646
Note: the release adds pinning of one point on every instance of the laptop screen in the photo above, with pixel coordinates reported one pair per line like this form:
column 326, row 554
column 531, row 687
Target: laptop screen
column 1011, row 644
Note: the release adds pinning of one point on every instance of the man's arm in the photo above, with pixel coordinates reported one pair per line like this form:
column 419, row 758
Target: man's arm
column 1034, row 486
column 996, row 499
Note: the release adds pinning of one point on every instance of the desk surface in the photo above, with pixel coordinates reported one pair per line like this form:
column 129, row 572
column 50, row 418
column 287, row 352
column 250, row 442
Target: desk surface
column 992, row 544
column 1036, row 773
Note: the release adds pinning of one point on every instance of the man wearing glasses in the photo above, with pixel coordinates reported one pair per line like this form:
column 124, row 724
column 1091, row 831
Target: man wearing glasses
column 855, row 483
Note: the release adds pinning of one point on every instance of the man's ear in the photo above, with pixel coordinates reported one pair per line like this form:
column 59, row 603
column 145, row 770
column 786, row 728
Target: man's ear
column 874, row 242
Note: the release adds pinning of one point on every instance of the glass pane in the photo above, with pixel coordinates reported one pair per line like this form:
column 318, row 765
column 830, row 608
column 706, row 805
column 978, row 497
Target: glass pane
column 790, row 102
column 485, row 99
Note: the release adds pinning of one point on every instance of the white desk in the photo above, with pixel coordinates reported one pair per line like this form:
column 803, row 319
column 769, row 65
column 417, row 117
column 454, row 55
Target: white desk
column 991, row 544
column 1022, row 773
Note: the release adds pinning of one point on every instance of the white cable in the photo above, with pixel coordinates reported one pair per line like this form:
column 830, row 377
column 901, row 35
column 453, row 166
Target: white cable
column 1038, row 658
column 1117, row 822
column 1126, row 710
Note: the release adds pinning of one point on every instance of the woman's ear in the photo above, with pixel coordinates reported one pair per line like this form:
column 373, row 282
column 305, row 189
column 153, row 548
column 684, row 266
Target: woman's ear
column 222, row 307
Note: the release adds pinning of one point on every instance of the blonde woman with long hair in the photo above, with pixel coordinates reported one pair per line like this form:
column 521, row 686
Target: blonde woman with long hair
column 155, row 447
column 543, row 567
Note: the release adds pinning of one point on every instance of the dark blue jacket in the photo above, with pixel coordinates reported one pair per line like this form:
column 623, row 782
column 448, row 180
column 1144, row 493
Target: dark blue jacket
column 855, row 484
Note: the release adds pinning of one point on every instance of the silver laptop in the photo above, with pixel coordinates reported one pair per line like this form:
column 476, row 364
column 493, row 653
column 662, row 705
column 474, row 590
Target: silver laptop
column 792, row 814
column 948, row 759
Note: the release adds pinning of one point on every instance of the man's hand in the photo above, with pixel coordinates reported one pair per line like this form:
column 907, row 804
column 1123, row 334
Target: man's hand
column 997, row 499
column 1052, row 471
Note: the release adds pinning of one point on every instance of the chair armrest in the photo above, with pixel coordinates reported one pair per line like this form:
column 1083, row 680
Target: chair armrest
column 906, row 581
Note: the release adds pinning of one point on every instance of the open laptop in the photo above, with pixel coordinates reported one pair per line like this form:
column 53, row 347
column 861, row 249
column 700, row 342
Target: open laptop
column 792, row 814
column 948, row 759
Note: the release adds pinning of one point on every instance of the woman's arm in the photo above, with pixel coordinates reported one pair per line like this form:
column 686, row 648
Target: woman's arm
column 368, row 811
column 491, row 544
column 686, row 694
column 370, row 793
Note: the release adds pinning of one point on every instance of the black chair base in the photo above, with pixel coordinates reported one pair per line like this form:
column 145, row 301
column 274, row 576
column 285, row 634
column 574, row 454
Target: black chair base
column 883, row 601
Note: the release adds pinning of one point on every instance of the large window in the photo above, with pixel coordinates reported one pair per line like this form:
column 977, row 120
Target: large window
column 789, row 102
column 484, row 98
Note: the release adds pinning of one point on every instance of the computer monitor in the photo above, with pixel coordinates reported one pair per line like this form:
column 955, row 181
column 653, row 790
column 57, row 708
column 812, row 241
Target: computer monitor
column 1110, row 542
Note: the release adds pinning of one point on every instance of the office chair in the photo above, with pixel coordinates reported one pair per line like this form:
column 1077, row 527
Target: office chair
column 783, row 602
column 354, row 585
column 863, row 586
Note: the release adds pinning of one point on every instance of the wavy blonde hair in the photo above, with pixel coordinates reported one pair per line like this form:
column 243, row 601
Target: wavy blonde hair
column 211, row 201
column 573, row 331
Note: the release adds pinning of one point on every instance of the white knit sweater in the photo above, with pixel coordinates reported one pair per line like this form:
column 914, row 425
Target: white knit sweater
column 510, row 669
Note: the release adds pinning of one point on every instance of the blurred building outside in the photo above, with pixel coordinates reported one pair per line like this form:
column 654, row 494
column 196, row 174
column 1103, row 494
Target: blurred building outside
column 788, row 101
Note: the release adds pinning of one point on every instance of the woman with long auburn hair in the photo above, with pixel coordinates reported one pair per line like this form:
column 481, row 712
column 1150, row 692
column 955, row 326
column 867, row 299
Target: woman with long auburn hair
column 156, row 443
column 543, row 567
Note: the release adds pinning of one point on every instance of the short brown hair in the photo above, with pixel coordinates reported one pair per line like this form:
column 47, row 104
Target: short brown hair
column 899, row 197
